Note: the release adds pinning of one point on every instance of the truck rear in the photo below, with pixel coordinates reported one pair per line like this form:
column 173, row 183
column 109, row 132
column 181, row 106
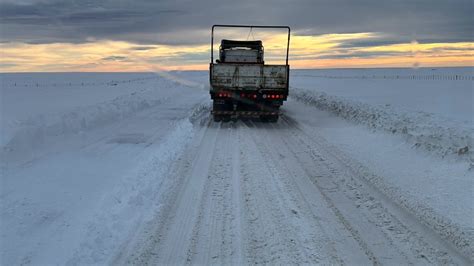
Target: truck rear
column 242, row 85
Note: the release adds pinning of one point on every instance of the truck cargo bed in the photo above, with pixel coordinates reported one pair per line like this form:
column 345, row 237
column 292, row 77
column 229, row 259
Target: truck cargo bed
column 249, row 76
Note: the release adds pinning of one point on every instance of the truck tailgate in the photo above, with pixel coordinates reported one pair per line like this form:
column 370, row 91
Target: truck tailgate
column 248, row 76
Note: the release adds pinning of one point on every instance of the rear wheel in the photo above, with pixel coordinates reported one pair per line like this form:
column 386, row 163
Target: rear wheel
column 269, row 118
column 217, row 118
column 274, row 113
column 218, row 107
column 273, row 118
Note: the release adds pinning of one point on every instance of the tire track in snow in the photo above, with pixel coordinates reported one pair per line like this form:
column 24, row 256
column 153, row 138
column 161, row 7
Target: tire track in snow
column 177, row 233
column 434, row 223
column 167, row 238
column 408, row 237
column 216, row 239
column 269, row 240
column 331, row 237
column 263, row 193
column 291, row 151
column 280, row 230
column 202, row 223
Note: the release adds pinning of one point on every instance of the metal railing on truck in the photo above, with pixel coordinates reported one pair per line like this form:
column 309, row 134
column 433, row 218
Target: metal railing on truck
column 251, row 27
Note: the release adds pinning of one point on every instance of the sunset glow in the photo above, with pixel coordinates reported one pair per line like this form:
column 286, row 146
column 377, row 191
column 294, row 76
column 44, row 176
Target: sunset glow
column 319, row 51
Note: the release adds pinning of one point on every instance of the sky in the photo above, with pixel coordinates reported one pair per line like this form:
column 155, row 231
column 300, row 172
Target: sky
column 150, row 35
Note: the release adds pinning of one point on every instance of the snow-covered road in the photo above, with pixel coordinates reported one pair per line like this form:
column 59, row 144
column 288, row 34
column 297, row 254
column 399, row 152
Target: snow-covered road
column 148, row 178
column 252, row 192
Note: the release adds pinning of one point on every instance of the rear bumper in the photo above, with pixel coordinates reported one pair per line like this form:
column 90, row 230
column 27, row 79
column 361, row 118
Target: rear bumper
column 260, row 95
column 245, row 113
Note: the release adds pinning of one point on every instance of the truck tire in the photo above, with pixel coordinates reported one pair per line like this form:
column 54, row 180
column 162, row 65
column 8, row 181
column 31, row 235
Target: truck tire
column 273, row 118
column 269, row 118
column 217, row 118
column 219, row 107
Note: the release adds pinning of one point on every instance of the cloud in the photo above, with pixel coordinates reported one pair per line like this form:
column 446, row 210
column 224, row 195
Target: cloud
column 369, row 43
column 307, row 52
column 113, row 35
column 190, row 57
column 188, row 22
column 7, row 65
column 360, row 55
column 143, row 48
column 115, row 58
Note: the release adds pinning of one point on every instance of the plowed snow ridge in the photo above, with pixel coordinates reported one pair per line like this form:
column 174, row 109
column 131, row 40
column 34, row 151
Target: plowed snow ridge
column 423, row 130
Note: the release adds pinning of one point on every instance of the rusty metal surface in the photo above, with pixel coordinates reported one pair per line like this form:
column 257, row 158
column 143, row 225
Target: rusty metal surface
column 247, row 76
column 242, row 56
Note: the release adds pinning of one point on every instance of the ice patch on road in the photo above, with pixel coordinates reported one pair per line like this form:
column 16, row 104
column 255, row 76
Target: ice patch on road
column 422, row 130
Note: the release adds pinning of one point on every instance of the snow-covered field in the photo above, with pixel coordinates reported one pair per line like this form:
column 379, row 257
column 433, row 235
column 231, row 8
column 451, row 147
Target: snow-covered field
column 365, row 166
column 433, row 108
column 445, row 92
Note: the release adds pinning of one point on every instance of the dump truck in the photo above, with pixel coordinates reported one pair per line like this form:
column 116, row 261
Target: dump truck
column 241, row 84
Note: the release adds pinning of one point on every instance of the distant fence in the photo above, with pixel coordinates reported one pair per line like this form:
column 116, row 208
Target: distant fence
column 77, row 84
column 402, row 77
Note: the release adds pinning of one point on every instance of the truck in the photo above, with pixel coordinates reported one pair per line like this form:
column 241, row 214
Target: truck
column 241, row 84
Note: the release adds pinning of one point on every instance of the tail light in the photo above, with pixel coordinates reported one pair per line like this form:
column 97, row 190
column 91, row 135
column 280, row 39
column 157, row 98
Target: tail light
column 251, row 95
column 224, row 94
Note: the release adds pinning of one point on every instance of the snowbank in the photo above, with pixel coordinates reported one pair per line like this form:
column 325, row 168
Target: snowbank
column 134, row 202
column 420, row 129
column 445, row 92
column 75, row 180
column 43, row 99
column 36, row 131
column 31, row 94
column 63, row 104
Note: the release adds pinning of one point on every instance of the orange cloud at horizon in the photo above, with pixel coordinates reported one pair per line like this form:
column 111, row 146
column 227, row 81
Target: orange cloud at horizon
column 321, row 51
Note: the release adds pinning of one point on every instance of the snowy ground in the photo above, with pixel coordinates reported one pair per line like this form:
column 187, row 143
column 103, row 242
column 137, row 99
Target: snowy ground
column 364, row 167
